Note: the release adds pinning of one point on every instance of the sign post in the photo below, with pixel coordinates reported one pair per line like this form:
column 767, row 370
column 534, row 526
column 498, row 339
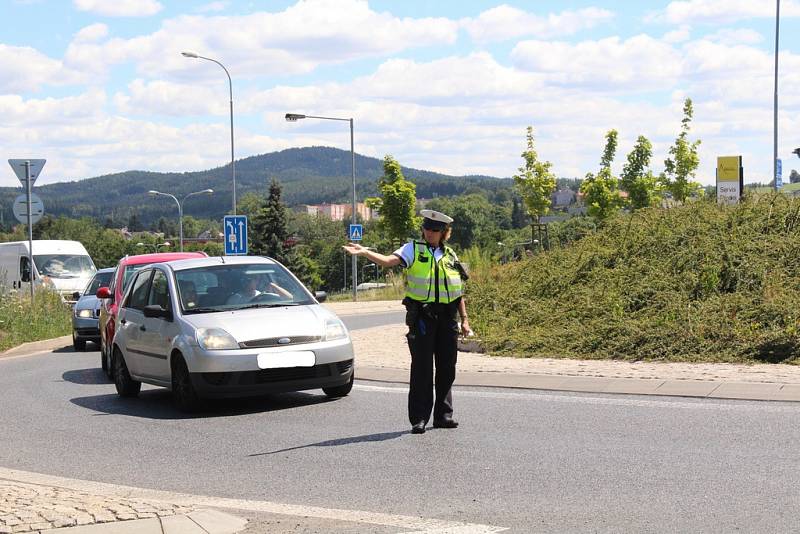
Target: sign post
column 27, row 170
column 730, row 179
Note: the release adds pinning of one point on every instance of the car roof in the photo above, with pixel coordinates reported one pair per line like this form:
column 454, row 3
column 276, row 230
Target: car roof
column 106, row 270
column 179, row 265
column 159, row 257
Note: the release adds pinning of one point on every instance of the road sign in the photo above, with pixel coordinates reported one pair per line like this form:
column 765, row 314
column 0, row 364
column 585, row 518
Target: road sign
column 20, row 208
column 235, row 235
column 19, row 169
column 778, row 173
column 356, row 232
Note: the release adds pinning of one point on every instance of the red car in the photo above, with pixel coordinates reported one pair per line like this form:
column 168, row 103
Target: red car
column 111, row 296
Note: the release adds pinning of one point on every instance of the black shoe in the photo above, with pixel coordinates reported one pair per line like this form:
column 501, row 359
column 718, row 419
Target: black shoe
column 418, row 427
column 447, row 422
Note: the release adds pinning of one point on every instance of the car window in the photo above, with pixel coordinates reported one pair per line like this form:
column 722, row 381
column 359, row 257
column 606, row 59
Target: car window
column 159, row 290
column 137, row 297
column 99, row 280
column 127, row 274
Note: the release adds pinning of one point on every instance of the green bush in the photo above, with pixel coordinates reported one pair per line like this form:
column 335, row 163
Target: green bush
column 19, row 323
column 699, row 282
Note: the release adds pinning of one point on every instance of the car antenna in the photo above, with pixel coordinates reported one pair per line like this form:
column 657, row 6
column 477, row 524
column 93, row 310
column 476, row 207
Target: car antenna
column 222, row 259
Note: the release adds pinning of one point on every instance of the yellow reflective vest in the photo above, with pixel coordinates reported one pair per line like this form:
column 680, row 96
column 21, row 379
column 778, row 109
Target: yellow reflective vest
column 430, row 281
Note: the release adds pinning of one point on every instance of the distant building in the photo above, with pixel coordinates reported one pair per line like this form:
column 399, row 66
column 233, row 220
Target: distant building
column 339, row 212
column 562, row 198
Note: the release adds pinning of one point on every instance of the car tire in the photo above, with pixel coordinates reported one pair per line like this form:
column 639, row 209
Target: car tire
column 126, row 386
column 340, row 391
column 183, row 392
column 78, row 344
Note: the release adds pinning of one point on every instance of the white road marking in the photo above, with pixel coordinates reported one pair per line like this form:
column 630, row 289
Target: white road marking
column 739, row 405
column 416, row 525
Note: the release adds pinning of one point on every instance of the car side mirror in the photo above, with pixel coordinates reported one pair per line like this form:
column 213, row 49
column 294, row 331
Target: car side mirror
column 103, row 293
column 321, row 296
column 76, row 295
column 154, row 310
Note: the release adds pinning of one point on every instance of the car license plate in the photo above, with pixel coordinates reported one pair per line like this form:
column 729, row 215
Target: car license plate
column 274, row 360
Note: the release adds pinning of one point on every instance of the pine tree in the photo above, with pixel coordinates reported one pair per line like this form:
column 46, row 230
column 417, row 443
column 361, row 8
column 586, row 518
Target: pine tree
column 269, row 231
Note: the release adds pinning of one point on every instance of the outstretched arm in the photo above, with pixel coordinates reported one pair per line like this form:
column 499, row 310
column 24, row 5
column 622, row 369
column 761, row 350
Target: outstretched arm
column 384, row 261
column 462, row 311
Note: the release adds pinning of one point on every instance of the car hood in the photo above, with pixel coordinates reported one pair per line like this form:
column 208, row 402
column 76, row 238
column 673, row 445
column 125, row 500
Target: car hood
column 260, row 323
column 87, row 302
column 66, row 285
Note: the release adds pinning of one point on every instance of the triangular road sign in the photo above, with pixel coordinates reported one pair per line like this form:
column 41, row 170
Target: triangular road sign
column 19, row 169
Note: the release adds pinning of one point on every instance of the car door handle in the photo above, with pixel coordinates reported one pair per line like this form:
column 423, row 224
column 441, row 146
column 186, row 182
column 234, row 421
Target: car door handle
column 142, row 328
column 122, row 321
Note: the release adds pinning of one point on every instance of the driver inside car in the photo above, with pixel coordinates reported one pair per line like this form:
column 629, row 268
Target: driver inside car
column 246, row 293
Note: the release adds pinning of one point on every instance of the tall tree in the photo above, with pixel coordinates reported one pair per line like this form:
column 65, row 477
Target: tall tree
column 600, row 191
column 683, row 161
column 637, row 179
column 519, row 219
column 397, row 203
column 269, row 226
column 535, row 182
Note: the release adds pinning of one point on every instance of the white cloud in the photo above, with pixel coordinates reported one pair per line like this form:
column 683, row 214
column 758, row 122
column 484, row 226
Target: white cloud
column 293, row 41
column 737, row 36
column 723, row 11
column 119, row 8
column 638, row 63
column 24, row 69
column 505, row 22
column 680, row 35
column 91, row 33
column 170, row 99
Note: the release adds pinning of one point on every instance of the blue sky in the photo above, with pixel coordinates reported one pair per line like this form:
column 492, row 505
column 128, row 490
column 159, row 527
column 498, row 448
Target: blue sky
column 99, row 86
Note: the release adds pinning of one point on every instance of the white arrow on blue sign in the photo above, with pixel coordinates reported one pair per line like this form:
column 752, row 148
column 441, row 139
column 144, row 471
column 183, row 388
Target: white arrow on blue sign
column 356, row 232
column 235, row 235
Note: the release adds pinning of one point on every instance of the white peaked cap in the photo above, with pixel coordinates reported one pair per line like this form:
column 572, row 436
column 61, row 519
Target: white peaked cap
column 436, row 216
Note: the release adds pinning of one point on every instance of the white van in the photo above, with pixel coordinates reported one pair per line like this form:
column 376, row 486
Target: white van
column 63, row 265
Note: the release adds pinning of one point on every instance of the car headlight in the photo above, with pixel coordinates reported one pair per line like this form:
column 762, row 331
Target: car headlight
column 215, row 339
column 334, row 329
column 86, row 314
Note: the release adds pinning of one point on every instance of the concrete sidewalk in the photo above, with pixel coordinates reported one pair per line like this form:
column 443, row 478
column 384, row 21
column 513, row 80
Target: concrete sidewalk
column 382, row 355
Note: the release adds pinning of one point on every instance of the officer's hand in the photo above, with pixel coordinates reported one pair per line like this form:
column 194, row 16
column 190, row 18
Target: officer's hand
column 355, row 249
column 466, row 331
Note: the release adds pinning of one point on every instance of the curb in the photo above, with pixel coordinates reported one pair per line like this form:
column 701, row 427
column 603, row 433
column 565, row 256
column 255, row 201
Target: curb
column 34, row 347
column 618, row 386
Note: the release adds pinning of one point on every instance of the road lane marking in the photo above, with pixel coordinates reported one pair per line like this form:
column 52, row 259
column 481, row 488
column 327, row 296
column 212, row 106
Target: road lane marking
column 739, row 405
column 410, row 524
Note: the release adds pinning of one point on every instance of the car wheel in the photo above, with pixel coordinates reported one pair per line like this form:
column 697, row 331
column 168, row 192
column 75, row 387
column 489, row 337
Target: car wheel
column 126, row 386
column 78, row 344
column 183, row 391
column 340, row 391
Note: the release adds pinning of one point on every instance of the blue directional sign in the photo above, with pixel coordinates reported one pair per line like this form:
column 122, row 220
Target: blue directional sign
column 778, row 173
column 356, row 232
column 235, row 235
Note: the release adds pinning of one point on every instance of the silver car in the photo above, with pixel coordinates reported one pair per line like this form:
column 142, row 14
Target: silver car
column 85, row 313
column 227, row 327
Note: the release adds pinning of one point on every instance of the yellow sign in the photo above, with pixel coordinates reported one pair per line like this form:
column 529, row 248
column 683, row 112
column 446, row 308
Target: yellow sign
column 728, row 168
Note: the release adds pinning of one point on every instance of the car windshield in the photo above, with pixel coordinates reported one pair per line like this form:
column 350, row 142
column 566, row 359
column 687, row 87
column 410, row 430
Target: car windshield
column 234, row 287
column 99, row 280
column 64, row 265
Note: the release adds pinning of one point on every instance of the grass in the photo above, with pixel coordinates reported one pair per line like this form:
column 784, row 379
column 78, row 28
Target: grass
column 699, row 282
column 19, row 323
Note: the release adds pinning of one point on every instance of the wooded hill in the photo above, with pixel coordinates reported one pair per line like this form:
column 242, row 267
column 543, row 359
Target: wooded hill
column 309, row 175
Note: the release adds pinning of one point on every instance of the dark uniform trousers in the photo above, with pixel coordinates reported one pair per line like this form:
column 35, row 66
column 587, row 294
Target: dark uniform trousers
column 432, row 338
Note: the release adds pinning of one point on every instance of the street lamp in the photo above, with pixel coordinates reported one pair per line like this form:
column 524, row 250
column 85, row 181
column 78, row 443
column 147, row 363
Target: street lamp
column 155, row 245
column 294, row 117
column 775, row 102
column 194, row 55
column 154, row 194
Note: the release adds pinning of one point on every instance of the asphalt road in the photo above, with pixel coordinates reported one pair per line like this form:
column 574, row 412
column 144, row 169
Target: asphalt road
column 530, row 461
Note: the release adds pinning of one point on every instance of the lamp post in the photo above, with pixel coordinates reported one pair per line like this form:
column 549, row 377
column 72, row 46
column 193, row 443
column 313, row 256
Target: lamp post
column 155, row 245
column 194, row 55
column 775, row 102
column 294, row 117
column 154, row 194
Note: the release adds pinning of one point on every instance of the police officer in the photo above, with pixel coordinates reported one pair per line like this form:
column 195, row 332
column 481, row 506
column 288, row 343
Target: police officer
column 434, row 298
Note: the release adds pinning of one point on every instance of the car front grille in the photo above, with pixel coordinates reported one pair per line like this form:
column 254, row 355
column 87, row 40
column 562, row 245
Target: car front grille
column 269, row 376
column 275, row 341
